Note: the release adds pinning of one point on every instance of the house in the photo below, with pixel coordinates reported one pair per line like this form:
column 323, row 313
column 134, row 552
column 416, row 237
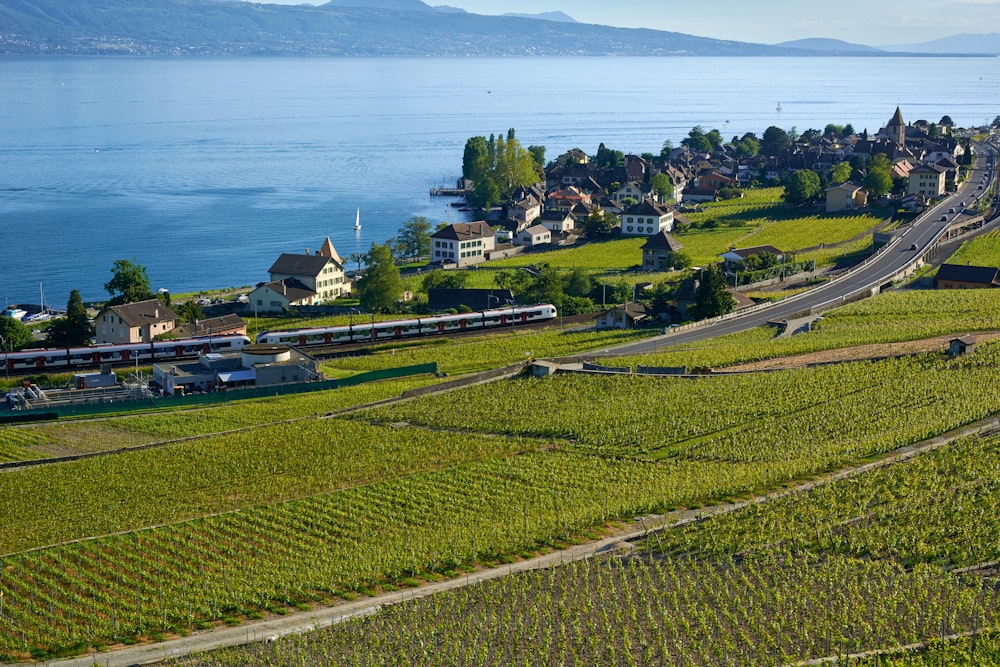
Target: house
column 566, row 198
column 138, row 322
column 632, row 190
column 322, row 272
column 647, row 218
column 959, row 276
column 280, row 295
column 927, row 180
column 657, row 252
column 535, row 235
column 525, row 210
column 845, row 197
column 626, row 316
column 558, row 222
column 227, row 325
column 462, row 243
column 961, row 345
column 736, row 256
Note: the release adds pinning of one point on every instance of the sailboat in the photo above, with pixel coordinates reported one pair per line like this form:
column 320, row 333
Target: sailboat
column 779, row 107
column 44, row 313
column 357, row 221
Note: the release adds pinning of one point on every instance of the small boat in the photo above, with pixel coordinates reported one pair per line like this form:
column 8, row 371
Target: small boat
column 779, row 107
column 15, row 313
column 357, row 221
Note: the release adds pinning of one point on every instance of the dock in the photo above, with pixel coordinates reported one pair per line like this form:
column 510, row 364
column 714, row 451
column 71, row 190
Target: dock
column 449, row 192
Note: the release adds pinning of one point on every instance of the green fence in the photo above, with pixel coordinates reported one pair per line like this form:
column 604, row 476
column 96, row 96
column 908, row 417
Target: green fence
column 216, row 398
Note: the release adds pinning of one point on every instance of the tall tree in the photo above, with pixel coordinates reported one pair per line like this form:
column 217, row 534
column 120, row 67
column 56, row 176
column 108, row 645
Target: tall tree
column 841, row 173
column 73, row 330
column 802, row 186
column 380, row 288
column 711, row 298
column 475, row 158
column 445, row 280
column 415, row 237
column 878, row 180
column 15, row 334
column 129, row 283
column 662, row 185
column 189, row 311
column 774, row 141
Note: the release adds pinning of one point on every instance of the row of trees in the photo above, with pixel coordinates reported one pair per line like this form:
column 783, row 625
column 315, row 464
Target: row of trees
column 497, row 166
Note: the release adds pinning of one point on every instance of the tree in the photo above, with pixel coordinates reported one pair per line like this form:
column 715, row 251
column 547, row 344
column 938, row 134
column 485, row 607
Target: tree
column 445, row 280
column 190, row 311
column 546, row 287
column 415, row 238
column 15, row 334
column 515, row 280
column 129, row 283
column 996, row 122
column 802, row 186
column 711, row 297
column 668, row 146
column 841, row 173
column 662, row 185
column 598, row 223
column 878, row 180
column 538, row 153
column 578, row 283
column 357, row 257
column 607, row 158
column 380, row 288
column 746, row 146
column 486, row 193
column 697, row 140
column 946, row 121
column 774, row 141
column 474, row 159
column 75, row 329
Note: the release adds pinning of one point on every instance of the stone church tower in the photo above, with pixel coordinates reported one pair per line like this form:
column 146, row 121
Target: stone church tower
column 895, row 130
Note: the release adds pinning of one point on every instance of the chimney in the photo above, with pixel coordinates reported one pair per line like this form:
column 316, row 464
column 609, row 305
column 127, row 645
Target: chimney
column 156, row 313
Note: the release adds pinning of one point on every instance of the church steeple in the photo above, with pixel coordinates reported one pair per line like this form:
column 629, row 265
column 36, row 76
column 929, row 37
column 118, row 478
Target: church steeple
column 895, row 130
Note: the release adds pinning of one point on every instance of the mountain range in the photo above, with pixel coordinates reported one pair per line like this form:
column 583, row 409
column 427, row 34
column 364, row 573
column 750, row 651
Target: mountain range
column 339, row 28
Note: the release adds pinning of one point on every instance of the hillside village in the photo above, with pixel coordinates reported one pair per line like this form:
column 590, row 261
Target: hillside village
column 584, row 198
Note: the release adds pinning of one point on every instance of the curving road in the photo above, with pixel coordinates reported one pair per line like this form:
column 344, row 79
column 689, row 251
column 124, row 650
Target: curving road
column 861, row 281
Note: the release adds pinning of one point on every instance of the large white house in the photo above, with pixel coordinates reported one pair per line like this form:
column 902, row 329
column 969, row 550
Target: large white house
column 322, row 273
column 462, row 243
column 927, row 180
column 647, row 218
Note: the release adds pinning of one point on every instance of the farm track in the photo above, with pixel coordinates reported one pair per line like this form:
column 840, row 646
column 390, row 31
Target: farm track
column 621, row 540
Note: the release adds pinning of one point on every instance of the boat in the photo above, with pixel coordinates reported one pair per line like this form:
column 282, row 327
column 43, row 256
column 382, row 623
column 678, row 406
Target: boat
column 357, row 221
column 43, row 314
column 15, row 313
column 779, row 107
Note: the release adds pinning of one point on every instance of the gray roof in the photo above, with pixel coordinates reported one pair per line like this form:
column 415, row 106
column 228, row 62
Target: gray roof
column 662, row 241
column 143, row 312
column 300, row 265
column 291, row 289
column 462, row 231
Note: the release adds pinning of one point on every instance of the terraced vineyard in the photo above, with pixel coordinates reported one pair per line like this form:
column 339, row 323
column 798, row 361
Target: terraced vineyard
column 227, row 527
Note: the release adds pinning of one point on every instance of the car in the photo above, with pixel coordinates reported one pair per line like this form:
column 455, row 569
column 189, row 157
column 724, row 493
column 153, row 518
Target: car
column 943, row 218
column 951, row 210
column 913, row 246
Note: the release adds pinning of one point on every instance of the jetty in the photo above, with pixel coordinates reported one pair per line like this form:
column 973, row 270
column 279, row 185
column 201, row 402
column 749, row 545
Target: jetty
column 443, row 191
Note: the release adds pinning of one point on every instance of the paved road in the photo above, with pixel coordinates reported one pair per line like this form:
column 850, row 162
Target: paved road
column 875, row 273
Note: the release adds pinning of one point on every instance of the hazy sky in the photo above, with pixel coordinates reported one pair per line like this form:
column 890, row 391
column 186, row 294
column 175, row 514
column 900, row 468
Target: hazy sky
column 885, row 22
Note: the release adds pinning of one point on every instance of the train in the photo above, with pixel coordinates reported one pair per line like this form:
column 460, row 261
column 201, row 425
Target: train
column 420, row 326
column 72, row 358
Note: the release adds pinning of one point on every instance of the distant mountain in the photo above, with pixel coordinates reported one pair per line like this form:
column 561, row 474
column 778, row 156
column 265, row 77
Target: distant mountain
column 396, row 5
column 979, row 44
column 545, row 16
column 829, row 46
column 394, row 28
column 449, row 9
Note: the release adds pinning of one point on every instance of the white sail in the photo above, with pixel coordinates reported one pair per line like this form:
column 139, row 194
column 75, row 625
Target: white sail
column 357, row 221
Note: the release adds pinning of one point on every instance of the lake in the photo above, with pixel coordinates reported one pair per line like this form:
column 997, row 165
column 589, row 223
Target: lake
column 206, row 169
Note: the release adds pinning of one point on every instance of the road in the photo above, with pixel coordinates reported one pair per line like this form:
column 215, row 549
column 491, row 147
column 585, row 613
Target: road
column 867, row 278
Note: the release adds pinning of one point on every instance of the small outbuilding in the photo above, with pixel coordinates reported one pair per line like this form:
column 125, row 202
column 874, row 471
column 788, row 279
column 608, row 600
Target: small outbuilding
column 962, row 345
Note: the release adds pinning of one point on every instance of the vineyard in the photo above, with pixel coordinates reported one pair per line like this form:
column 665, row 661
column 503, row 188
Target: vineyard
column 981, row 251
column 271, row 506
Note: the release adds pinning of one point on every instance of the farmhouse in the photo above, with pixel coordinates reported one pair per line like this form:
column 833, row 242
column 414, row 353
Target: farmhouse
column 462, row 243
column 137, row 322
column 322, row 273
column 958, row 276
column 647, row 218
column 658, row 252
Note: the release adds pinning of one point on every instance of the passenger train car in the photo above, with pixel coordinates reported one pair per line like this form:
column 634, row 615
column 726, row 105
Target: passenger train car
column 64, row 359
column 421, row 326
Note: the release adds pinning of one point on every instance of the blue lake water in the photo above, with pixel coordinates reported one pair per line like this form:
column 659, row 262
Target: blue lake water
column 205, row 170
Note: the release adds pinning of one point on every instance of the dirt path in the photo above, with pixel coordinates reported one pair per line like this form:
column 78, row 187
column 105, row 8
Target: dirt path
column 622, row 541
column 856, row 353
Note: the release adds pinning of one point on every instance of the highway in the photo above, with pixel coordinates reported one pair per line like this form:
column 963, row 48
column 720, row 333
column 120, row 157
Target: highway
column 863, row 280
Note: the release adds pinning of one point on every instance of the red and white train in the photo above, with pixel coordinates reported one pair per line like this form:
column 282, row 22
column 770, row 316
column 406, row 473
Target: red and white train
column 420, row 326
column 71, row 358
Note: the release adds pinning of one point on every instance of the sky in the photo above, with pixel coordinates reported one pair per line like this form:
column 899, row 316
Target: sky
column 881, row 23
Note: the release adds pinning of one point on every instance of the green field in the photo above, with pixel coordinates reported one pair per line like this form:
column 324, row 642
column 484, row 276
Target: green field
column 981, row 251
